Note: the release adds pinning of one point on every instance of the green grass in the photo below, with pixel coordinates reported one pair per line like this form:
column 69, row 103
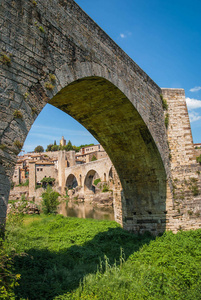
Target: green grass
column 70, row 258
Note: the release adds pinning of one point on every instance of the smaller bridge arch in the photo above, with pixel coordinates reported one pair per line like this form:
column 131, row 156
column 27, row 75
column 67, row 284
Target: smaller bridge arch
column 71, row 181
column 89, row 180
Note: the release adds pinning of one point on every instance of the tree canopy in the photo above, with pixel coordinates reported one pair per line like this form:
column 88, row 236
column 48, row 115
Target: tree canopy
column 39, row 149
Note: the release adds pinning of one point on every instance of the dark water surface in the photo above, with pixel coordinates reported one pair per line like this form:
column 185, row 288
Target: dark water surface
column 86, row 210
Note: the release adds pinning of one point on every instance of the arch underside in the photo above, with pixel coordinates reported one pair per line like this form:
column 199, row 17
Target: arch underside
column 113, row 120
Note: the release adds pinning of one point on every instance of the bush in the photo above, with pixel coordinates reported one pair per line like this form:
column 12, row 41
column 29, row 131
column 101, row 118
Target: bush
column 96, row 181
column 50, row 201
column 8, row 280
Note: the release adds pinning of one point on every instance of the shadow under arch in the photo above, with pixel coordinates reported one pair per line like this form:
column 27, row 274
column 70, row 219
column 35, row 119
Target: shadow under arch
column 71, row 181
column 114, row 121
column 89, row 179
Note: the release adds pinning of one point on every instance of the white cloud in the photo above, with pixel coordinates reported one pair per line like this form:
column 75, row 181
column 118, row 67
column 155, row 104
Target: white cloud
column 122, row 35
column 195, row 89
column 194, row 117
column 193, row 103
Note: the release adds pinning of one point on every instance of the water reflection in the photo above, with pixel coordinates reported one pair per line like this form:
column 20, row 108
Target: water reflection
column 86, row 210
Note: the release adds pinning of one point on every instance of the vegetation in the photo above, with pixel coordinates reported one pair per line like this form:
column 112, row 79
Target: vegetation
column 166, row 120
column 47, row 181
column 62, row 255
column 50, row 201
column 68, row 147
column 96, row 181
column 105, row 188
column 49, row 86
column 18, row 144
column 26, row 183
column 4, row 59
column 164, row 102
column 42, row 30
column 52, row 77
column 93, row 158
column 39, row 149
column 17, row 114
column 198, row 159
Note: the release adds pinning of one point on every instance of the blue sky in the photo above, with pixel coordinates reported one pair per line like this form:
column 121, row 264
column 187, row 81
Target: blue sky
column 162, row 37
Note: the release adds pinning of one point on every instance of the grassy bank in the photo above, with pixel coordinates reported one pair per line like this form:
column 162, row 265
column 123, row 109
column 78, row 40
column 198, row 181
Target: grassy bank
column 62, row 252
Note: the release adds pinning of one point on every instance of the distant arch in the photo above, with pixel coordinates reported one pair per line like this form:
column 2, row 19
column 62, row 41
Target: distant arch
column 89, row 180
column 71, row 182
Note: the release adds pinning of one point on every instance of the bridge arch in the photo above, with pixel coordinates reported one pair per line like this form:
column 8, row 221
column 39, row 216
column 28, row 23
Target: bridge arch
column 89, row 180
column 71, row 181
column 96, row 83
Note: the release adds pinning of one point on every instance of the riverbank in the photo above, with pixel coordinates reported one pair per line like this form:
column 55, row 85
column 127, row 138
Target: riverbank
column 62, row 252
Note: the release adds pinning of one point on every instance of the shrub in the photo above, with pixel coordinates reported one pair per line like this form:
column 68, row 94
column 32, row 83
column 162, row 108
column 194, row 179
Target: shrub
column 8, row 280
column 50, row 201
column 4, row 59
column 49, row 86
column 93, row 158
column 164, row 102
column 41, row 29
column 17, row 114
column 166, row 120
column 198, row 159
column 96, row 181
column 47, row 180
column 52, row 77
column 105, row 188
column 18, row 144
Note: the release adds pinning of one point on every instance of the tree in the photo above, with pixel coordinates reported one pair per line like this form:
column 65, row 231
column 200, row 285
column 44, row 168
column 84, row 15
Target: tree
column 47, row 180
column 55, row 148
column 69, row 146
column 49, row 147
column 50, row 201
column 39, row 149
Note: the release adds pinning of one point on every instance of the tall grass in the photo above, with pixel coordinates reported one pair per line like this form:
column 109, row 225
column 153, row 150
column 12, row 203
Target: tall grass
column 70, row 258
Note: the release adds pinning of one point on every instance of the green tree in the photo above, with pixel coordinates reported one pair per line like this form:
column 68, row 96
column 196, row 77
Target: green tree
column 50, row 201
column 55, row 148
column 49, row 147
column 69, row 146
column 93, row 158
column 39, row 149
column 47, row 180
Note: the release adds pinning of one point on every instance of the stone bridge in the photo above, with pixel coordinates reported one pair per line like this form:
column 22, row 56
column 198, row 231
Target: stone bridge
column 81, row 174
column 52, row 52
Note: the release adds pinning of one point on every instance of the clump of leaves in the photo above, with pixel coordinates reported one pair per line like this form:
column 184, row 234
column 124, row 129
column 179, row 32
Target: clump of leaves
column 33, row 110
column 52, row 77
column 17, row 114
column 96, row 181
column 41, row 29
column 18, row 144
column 49, row 86
column 164, row 102
column 34, row 3
column 4, row 59
column 2, row 146
column 26, row 95
column 166, row 120
column 105, row 188
column 198, row 159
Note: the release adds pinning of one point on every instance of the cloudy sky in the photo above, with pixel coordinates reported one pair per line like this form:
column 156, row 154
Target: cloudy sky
column 162, row 37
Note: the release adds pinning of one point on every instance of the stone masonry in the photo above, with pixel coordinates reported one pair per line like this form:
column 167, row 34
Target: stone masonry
column 52, row 52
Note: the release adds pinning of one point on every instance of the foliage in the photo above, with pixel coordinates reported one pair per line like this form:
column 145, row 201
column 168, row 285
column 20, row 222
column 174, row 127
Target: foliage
column 47, row 181
column 105, row 188
column 52, row 77
column 42, row 30
column 164, row 102
column 39, row 149
column 198, row 159
column 55, row 148
column 67, row 147
column 61, row 251
column 4, row 59
column 167, row 268
column 2, row 146
column 49, row 86
column 50, row 201
column 93, row 158
column 166, row 120
column 49, row 147
column 17, row 114
column 8, row 280
column 33, row 110
column 18, row 144
column 26, row 183
column 96, row 181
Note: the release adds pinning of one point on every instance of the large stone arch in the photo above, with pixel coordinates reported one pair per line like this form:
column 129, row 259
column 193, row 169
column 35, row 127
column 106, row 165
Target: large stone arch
column 96, row 83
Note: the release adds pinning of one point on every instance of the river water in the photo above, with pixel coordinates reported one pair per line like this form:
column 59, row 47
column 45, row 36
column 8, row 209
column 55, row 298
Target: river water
column 86, row 210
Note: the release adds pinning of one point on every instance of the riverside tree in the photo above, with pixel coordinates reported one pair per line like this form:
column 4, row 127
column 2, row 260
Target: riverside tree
column 50, row 201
